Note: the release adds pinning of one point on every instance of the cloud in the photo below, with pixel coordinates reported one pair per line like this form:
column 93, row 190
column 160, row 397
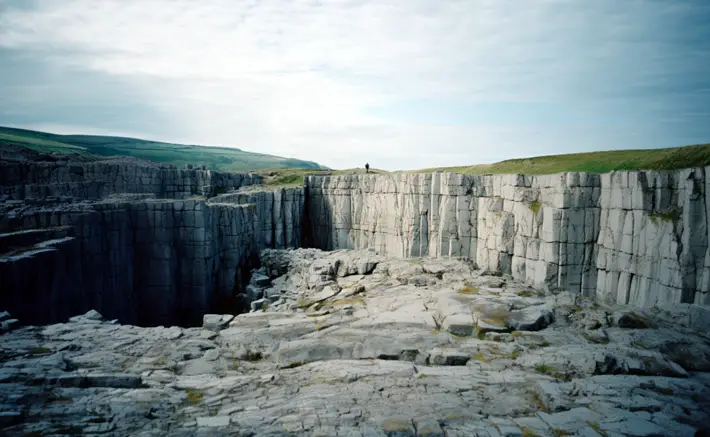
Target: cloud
column 401, row 83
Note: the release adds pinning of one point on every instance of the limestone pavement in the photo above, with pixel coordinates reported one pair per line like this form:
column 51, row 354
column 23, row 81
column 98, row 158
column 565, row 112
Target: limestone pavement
column 350, row 343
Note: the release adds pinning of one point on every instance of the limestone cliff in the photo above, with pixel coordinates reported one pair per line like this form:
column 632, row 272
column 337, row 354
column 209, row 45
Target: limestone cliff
column 279, row 213
column 637, row 238
column 23, row 179
column 148, row 262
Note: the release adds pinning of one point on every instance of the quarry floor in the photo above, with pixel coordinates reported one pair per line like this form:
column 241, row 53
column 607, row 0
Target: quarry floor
column 352, row 344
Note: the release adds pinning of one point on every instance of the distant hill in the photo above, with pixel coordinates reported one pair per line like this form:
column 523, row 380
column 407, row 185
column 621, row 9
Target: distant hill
column 215, row 158
column 594, row 162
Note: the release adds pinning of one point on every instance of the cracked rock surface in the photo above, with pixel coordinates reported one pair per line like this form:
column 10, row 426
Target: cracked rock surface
column 355, row 344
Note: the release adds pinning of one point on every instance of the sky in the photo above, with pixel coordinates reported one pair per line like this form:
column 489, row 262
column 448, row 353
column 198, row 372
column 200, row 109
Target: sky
column 401, row 84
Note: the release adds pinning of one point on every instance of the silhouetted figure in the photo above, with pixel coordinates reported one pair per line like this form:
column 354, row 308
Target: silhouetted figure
column 367, row 168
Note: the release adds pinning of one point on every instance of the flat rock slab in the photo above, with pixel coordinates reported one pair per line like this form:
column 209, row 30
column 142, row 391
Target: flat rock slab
column 390, row 359
column 532, row 318
column 299, row 352
column 213, row 422
column 216, row 322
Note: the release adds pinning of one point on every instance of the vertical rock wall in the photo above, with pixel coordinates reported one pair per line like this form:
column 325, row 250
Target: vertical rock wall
column 98, row 179
column 279, row 213
column 148, row 263
column 638, row 238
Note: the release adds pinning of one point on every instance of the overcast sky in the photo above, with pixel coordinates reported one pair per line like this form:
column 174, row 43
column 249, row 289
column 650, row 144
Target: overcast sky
column 400, row 83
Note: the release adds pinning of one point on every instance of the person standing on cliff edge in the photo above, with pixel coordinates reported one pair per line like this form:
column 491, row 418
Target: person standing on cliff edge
column 367, row 167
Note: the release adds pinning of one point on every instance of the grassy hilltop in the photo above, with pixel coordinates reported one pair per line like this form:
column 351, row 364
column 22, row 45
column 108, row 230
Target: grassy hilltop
column 595, row 162
column 592, row 162
column 279, row 171
column 215, row 158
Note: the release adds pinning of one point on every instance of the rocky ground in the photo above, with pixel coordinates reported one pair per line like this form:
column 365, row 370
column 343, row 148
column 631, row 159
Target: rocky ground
column 351, row 344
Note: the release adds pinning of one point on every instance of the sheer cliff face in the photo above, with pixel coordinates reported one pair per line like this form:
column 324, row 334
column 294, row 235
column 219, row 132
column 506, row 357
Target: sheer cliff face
column 279, row 214
column 638, row 238
column 96, row 180
column 149, row 263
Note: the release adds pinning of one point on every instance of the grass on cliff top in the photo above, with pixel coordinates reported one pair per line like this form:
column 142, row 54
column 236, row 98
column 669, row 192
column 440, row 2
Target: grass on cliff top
column 46, row 146
column 594, row 162
column 293, row 177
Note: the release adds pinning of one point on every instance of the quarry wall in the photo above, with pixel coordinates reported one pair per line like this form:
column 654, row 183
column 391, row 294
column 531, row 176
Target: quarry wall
column 24, row 179
column 166, row 257
column 140, row 260
column 636, row 238
column 148, row 263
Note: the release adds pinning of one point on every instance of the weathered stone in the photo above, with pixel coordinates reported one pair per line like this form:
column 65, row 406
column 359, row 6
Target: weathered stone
column 213, row 422
column 259, row 304
column 532, row 318
column 92, row 316
column 216, row 322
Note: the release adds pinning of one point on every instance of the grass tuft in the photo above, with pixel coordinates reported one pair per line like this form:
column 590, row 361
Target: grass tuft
column 545, row 369
column 253, row 356
column 535, row 207
column 348, row 301
column 672, row 215
column 480, row 356
column 469, row 290
column 595, row 426
column 194, row 396
column 527, row 432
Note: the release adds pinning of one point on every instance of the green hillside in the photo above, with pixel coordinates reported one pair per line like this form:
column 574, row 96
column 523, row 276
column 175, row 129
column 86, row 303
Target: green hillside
column 216, row 158
column 594, row 162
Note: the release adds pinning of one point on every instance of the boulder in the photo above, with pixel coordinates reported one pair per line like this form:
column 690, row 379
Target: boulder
column 326, row 293
column 253, row 292
column 630, row 320
column 8, row 325
column 259, row 304
column 216, row 322
column 259, row 280
column 92, row 316
column 532, row 318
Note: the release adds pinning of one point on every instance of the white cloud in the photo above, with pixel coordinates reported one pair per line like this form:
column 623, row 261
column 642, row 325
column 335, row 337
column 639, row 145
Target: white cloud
column 296, row 77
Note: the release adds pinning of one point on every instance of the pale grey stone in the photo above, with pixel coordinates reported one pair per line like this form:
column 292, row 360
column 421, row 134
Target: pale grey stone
column 213, row 422
column 532, row 318
column 634, row 427
column 216, row 322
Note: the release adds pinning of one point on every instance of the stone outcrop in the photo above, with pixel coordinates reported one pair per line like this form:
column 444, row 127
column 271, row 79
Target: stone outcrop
column 636, row 238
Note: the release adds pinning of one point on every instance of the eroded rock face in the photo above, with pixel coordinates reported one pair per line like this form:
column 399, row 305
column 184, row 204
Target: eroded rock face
column 141, row 242
column 28, row 179
column 146, row 262
column 636, row 238
column 376, row 362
